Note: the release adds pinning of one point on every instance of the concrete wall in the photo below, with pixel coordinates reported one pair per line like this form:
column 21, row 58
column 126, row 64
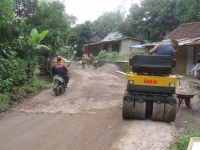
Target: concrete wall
column 125, row 44
column 190, row 58
column 97, row 38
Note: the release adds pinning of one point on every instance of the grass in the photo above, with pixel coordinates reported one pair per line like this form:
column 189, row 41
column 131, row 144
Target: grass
column 18, row 93
column 182, row 142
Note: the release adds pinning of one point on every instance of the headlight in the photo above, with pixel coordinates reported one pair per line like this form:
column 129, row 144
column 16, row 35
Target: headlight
column 171, row 84
column 131, row 82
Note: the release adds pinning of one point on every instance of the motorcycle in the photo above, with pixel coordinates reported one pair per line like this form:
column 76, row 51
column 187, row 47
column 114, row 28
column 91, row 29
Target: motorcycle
column 59, row 85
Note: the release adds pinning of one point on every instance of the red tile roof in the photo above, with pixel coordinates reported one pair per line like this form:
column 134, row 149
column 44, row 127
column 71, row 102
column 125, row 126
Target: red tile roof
column 187, row 30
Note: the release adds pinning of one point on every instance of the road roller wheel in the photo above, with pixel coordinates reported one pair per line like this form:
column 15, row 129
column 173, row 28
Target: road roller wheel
column 170, row 112
column 127, row 110
column 158, row 111
column 139, row 109
column 170, row 109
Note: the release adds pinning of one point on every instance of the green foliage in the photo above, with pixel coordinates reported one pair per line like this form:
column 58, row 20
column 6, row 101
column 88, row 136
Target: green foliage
column 16, row 43
column 4, row 103
column 187, row 11
column 36, row 38
column 111, row 57
column 19, row 92
column 182, row 142
column 50, row 15
column 72, row 37
column 66, row 52
column 80, row 34
column 15, row 72
column 24, row 8
column 6, row 84
column 57, row 22
column 103, row 55
column 107, row 22
column 6, row 11
column 152, row 19
column 13, row 42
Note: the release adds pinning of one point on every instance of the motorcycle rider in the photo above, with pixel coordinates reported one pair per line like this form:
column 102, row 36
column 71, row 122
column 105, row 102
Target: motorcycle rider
column 60, row 69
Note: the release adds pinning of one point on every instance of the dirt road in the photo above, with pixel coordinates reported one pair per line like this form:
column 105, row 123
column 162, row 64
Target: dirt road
column 88, row 116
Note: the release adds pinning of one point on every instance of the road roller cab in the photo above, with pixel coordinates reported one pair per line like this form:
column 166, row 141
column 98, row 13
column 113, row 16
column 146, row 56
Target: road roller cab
column 151, row 87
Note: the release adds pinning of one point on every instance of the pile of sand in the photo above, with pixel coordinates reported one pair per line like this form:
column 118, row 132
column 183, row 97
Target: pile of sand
column 108, row 68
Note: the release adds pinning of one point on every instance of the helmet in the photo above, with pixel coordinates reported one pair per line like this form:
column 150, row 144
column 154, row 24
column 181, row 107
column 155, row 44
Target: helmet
column 59, row 58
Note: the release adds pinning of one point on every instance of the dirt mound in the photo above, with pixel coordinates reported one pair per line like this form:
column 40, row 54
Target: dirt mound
column 108, row 68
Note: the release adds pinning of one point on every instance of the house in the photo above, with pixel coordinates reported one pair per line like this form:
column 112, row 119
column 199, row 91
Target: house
column 97, row 37
column 188, row 53
column 113, row 42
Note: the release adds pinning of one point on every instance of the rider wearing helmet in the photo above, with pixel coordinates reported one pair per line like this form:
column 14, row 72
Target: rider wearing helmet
column 60, row 69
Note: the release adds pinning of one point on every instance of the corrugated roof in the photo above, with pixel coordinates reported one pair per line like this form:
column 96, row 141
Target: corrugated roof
column 113, row 40
column 183, row 41
column 112, row 35
column 187, row 30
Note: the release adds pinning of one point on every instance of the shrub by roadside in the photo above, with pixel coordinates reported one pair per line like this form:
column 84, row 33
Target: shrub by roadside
column 182, row 142
column 17, row 94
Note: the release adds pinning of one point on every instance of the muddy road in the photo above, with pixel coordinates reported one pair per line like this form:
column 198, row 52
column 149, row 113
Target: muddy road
column 88, row 116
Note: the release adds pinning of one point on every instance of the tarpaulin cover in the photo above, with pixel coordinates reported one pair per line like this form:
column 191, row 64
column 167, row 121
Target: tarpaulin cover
column 152, row 63
column 137, row 46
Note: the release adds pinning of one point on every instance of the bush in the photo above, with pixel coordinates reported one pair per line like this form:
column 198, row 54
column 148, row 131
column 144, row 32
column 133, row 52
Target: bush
column 66, row 52
column 15, row 72
column 77, row 58
column 17, row 93
column 4, row 102
column 110, row 57
column 183, row 141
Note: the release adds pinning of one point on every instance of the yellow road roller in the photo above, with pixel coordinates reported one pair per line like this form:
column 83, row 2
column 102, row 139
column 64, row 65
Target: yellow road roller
column 151, row 87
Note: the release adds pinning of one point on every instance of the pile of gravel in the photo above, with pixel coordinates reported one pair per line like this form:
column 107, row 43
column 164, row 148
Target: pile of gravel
column 108, row 68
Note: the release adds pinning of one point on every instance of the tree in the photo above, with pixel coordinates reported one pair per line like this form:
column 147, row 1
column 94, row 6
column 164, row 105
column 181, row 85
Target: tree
column 80, row 34
column 25, row 8
column 152, row 19
column 72, row 19
column 107, row 22
column 6, row 11
column 50, row 15
column 187, row 11
column 133, row 26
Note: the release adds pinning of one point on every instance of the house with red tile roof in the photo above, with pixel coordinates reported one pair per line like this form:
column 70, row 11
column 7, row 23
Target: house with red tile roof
column 188, row 53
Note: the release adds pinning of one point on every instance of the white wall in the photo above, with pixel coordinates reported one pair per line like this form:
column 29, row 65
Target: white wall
column 126, row 44
column 190, row 58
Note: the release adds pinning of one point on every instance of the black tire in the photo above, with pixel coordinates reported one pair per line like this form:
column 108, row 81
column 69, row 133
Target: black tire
column 170, row 109
column 57, row 91
column 158, row 111
column 170, row 112
column 139, row 110
column 127, row 110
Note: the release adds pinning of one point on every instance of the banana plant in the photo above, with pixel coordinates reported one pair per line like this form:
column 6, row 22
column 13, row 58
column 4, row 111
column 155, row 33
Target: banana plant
column 36, row 38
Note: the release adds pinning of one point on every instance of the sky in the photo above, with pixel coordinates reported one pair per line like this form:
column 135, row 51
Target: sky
column 91, row 9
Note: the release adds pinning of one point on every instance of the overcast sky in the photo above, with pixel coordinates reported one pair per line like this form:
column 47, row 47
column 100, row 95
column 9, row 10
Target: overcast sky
column 92, row 9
